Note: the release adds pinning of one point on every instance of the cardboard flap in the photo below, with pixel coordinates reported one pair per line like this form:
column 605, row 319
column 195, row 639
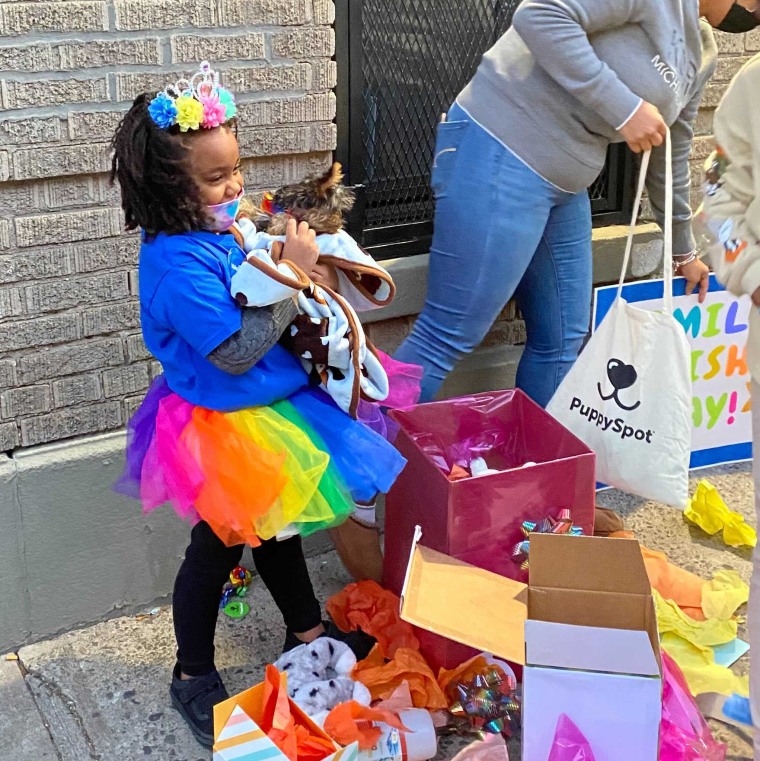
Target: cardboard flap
column 466, row 604
column 587, row 648
column 587, row 563
column 606, row 610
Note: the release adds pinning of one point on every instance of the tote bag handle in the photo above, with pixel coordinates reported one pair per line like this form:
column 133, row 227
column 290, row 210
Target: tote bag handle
column 667, row 232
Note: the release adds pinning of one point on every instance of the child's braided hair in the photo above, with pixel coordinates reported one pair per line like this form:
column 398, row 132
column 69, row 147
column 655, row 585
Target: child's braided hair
column 157, row 193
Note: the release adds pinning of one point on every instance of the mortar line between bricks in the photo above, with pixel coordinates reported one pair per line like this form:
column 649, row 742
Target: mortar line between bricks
column 57, row 37
column 98, row 72
column 165, row 51
column 63, row 111
column 111, row 17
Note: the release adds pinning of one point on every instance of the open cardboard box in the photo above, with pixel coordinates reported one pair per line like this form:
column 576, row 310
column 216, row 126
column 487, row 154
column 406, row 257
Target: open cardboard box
column 584, row 628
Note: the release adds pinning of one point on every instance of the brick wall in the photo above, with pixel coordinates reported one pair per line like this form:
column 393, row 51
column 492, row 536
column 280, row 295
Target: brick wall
column 735, row 51
column 71, row 358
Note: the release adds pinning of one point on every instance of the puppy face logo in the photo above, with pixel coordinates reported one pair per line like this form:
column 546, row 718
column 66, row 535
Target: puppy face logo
column 621, row 376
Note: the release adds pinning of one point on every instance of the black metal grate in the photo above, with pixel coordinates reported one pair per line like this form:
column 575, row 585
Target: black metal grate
column 600, row 189
column 400, row 65
column 415, row 61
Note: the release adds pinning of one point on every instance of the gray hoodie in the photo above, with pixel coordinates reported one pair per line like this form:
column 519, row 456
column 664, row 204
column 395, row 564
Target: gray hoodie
column 557, row 87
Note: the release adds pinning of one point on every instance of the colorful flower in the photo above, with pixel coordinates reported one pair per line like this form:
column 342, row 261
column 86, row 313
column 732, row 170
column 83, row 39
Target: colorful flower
column 214, row 112
column 162, row 110
column 228, row 101
column 189, row 112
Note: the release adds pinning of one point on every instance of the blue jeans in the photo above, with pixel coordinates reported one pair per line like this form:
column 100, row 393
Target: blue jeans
column 501, row 231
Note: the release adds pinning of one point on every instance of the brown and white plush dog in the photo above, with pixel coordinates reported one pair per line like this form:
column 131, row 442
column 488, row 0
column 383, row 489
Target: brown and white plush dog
column 327, row 335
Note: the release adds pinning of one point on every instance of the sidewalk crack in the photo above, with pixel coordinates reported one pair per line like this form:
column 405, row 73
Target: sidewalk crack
column 59, row 698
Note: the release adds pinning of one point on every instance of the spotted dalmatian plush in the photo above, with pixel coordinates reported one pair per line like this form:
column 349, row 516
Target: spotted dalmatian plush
column 319, row 677
column 327, row 335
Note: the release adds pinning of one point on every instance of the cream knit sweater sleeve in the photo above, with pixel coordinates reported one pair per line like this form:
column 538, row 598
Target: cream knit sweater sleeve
column 731, row 209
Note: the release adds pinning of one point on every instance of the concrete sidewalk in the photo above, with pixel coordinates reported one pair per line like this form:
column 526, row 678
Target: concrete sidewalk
column 102, row 692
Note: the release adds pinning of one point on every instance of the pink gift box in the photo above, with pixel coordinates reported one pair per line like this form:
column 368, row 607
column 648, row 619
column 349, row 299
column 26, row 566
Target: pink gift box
column 542, row 468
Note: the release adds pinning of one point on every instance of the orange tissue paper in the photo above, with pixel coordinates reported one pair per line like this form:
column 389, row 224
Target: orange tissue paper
column 382, row 677
column 465, row 672
column 277, row 721
column 675, row 583
column 367, row 606
column 350, row 722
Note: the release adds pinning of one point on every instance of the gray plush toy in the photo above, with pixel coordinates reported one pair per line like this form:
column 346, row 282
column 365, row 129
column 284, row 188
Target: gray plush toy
column 319, row 677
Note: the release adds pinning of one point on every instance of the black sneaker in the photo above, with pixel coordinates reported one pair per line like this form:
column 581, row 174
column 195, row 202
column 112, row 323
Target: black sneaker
column 195, row 700
column 360, row 642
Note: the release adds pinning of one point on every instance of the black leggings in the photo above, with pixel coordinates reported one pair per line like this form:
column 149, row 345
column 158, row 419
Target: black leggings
column 198, row 590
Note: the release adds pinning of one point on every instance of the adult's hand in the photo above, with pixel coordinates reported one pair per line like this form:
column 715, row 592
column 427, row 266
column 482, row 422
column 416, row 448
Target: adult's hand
column 645, row 130
column 697, row 275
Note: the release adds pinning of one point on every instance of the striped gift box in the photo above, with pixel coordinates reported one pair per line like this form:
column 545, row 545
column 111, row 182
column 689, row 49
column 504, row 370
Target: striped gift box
column 241, row 739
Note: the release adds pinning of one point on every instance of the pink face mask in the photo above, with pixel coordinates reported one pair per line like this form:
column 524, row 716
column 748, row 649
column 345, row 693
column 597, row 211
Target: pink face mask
column 221, row 216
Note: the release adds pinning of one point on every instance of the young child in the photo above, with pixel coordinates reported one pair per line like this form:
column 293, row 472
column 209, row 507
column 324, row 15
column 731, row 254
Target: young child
column 731, row 219
column 231, row 434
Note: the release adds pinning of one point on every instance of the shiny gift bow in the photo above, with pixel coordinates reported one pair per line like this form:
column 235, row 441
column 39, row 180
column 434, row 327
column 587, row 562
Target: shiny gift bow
column 562, row 525
column 489, row 704
column 236, row 587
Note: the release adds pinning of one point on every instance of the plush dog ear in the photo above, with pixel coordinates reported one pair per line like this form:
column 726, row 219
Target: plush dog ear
column 329, row 180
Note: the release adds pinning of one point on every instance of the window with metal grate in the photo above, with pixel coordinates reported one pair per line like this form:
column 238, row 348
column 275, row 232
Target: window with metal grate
column 400, row 65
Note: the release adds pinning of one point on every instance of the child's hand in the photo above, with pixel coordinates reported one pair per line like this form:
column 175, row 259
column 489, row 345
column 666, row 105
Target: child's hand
column 300, row 246
column 325, row 274
column 756, row 297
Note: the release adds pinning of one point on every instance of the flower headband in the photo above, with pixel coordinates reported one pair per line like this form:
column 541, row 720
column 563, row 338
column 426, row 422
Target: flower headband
column 197, row 102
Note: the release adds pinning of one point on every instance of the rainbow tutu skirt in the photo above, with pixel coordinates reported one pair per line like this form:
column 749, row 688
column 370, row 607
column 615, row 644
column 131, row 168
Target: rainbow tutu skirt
column 300, row 463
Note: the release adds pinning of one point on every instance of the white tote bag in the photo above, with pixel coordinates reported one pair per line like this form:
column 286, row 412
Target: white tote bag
column 628, row 396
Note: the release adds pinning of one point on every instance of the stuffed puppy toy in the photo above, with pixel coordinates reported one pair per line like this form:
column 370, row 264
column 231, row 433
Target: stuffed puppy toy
column 324, row 658
column 317, row 699
column 322, row 201
column 319, row 676
column 327, row 335
column 319, row 199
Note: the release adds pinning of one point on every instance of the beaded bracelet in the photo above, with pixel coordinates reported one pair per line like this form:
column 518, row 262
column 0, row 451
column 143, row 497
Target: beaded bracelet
column 684, row 259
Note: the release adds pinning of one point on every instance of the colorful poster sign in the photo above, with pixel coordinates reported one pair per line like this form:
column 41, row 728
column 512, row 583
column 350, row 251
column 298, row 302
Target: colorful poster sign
column 717, row 332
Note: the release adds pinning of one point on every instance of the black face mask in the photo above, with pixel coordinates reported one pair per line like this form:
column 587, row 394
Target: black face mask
column 739, row 20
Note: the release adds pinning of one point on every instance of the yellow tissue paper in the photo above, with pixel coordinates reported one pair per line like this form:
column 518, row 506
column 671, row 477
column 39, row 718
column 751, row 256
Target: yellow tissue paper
column 671, row 619
column 690, row 642
column 700, row 670
column 724, row 595
column 707, row 510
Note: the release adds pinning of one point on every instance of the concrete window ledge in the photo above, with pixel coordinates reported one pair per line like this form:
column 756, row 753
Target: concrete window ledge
column 410, row 273
column 494, row 364
column 72, row 551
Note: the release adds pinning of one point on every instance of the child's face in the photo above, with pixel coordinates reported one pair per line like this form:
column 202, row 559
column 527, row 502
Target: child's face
column 214, row 164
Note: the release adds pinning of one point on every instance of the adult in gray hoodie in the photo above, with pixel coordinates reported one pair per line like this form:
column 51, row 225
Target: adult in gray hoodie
column 521, row 144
